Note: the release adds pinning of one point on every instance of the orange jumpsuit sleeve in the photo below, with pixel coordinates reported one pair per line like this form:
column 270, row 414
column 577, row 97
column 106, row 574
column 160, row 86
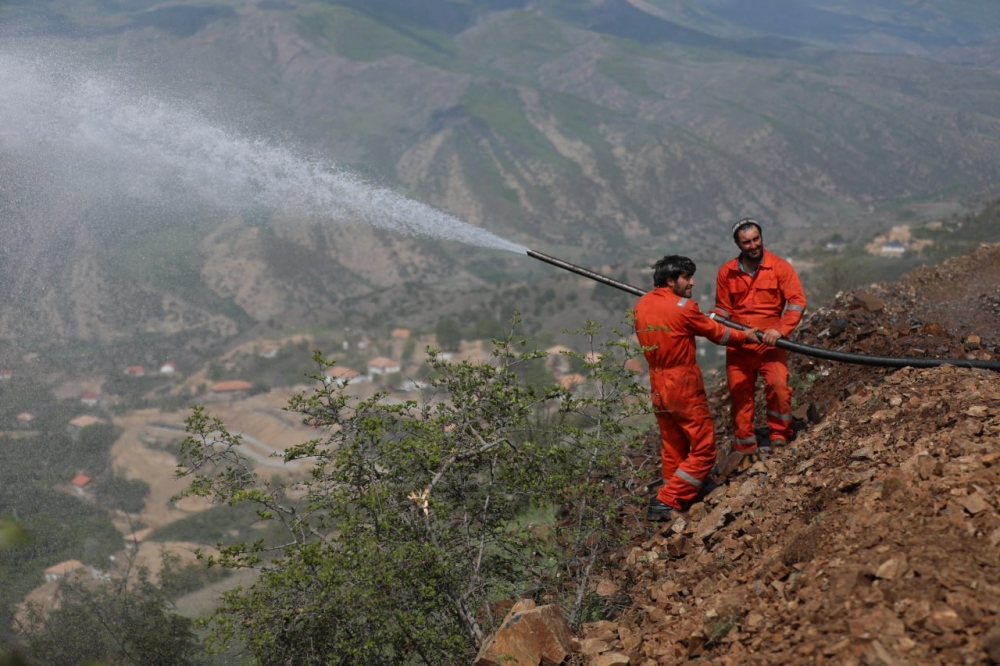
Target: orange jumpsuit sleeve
column 795, row 298
column 699, row 324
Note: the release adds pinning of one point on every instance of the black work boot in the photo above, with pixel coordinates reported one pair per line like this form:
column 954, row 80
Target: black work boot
column 659, row 512
column 707, row 486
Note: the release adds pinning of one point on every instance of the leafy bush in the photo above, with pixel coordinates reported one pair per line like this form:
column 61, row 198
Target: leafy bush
column 178, row 578
column 112, row 623
column 129, row 495
column 448, row 334
column 411, row 528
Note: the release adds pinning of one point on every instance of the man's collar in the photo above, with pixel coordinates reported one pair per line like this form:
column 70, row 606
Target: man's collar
column 765, row 262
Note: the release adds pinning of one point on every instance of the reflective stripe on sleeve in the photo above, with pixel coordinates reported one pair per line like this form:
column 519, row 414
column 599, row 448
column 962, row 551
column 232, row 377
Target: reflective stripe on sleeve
column 687, row 477
column 681, row 303
column 725, row 338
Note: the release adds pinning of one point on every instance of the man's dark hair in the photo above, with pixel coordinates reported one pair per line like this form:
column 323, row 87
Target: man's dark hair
column 743, row 224
column 671, row 268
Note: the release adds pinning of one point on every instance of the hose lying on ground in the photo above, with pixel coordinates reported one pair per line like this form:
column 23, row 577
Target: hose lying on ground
column 808, row 350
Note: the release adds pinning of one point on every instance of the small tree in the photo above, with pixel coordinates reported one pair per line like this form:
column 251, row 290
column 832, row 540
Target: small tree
column 129, row 495
column 113, row 623
column 487, row 328
column 411, row 526
column 448, row 334
column 409, row 347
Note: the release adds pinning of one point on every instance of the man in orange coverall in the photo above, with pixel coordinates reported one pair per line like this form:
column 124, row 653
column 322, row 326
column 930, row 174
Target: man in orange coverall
column 666, row 321
column 762, row 290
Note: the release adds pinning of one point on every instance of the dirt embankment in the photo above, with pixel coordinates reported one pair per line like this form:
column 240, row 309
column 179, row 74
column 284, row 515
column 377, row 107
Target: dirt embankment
column 874, row 538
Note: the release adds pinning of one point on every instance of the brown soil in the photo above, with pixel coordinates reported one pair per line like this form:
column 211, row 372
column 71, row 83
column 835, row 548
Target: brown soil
column 874, row 537
column 266, row 429
column 132, row 459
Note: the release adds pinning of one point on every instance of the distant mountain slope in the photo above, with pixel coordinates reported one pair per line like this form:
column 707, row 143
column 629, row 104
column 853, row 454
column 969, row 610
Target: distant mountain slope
column 609, row 130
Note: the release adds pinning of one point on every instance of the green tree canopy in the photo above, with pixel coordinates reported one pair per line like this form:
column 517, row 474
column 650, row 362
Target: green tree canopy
column 448, row 334
column 112, row 623
column 413, row 522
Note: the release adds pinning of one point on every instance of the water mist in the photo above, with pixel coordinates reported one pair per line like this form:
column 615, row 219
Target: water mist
column 100, row 135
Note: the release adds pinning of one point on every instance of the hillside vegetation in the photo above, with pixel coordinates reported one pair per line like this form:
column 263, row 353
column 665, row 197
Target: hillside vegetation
column 597, row 133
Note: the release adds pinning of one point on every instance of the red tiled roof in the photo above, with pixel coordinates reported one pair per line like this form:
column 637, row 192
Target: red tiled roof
column 66, row 567
column 85, row 420
column 383, row 362
column 81, row 479
column 341, row 372
column 571, row 380
column 636, row 365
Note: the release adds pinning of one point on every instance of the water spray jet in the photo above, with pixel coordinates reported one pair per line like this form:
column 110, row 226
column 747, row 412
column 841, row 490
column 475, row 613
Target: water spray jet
column 784, row 343
column 89, row 137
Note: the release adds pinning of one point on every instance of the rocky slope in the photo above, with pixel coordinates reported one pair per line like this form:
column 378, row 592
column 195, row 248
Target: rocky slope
column 874, row 537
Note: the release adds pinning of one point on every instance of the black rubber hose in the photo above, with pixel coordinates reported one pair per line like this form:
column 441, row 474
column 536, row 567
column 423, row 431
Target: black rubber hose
column 784, row 343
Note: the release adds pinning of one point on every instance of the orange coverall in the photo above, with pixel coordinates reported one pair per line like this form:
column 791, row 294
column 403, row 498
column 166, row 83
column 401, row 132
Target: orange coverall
column 770, row 298
column 666, row 325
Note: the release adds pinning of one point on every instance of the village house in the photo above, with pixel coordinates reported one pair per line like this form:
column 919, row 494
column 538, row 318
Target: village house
column 412, row 385
column 135, row 371
column 63, row 569
column 400, row 339
column 571, row 380
column 168, row 368
column 343, row 373
column 557, row 359
column 25, row 418
column 80, row 482
column 636, row 365
column 893, row 247
column 383, row 366
column 81, row 422
column 90, row 398
column 268, row 350
column 5, row 375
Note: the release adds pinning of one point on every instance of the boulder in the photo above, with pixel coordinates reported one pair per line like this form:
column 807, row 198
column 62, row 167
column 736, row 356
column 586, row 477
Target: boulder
column 529, row 636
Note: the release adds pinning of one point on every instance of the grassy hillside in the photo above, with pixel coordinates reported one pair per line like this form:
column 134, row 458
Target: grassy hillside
column 608, row 133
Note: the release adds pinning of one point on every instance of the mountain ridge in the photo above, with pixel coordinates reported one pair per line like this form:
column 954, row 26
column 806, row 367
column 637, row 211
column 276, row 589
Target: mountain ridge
column 551, row 125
